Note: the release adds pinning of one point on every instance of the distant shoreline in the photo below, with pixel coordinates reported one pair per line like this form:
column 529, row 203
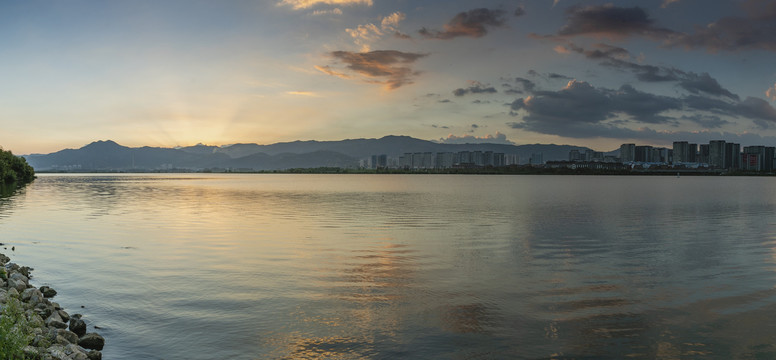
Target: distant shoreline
column 520, row 170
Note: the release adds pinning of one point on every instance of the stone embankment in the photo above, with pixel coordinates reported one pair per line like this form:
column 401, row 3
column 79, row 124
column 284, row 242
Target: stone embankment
column 53, row 333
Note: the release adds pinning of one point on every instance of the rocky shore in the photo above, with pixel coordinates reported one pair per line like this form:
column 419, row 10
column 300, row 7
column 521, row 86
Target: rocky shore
column 45, row 330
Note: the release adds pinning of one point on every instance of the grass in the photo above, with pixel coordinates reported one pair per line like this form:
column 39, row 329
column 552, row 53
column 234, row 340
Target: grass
column 15, row 330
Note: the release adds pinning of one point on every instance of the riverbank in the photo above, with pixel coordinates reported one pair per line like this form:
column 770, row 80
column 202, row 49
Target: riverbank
column 35, row 327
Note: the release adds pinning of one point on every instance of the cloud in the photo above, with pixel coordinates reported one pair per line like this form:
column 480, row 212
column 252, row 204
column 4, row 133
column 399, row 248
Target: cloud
column 335, row 11
column 520, row 11
column 616, row 57
column 498, row 138
column 697, row 83
column 752, row 32
column 473, row 23
column 579, row 105
column 365, row 35
column 582, row 111
column 558, row 76
column 475, row 87
column 647, row 134
column 707, row 121
column 388, row 67
column 391, row 22
column 771, row 93
column 610, row 21
column 306, row 4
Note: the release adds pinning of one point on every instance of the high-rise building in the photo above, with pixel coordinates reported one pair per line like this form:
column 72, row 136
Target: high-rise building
column 703, row 154
column 627, row 153
column 758, row 158
column 717, row 154
column 643, row 153
column 681, row 152
column 732, row 156
column 574, row 155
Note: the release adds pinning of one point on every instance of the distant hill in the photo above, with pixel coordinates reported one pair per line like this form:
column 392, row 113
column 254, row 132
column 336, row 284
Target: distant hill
column 110, row 156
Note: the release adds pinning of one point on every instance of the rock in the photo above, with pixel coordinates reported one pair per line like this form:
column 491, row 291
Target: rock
column 47, row 291
column 70, row 336
column 92, row 341
column 19, row 276
column 55, row 321
column 31, row 352
column 94, row 355
column 4, row 259
column 63, row 314
column 77, row 325
column 25, row 270
column 32, row 295
column 13, row 292
column 17, row 284
column 56, row 324
column 44, row 310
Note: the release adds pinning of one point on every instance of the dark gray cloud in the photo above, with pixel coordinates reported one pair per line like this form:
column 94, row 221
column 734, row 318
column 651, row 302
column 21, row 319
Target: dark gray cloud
column 444, row 101
column 581, row 111
column 756, row 109
column 755, row 31
column 610, row 21
column 646, row 134
column 616, row 57
column 707, row 121
column 475, row 88
column 388, row 67
column 579, row 102
column 473, row 23
column 556, row 76
column 704, row 83
column 520, row 11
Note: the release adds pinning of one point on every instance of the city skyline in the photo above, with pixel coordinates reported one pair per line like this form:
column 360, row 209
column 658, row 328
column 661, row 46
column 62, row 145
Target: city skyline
column 594, row 74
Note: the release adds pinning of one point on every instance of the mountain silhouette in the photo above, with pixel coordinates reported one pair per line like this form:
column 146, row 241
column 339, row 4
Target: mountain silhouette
column 107, row 155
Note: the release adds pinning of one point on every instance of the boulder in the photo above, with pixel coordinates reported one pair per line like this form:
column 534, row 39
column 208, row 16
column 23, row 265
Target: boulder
column 94, row 355
column 70, row 336
column 63, row 314
column 19, row 276
column 55, row 321
column 17, row 284
column 92, row 341
column 32, row 295
column 77, row 325
column 48, row 291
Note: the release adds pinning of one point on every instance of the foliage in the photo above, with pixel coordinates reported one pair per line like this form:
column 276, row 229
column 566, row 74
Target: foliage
column 14, row 169
column 15, row 331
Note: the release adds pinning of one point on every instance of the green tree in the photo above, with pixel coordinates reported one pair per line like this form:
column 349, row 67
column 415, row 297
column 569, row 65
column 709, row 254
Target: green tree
column 14, row 169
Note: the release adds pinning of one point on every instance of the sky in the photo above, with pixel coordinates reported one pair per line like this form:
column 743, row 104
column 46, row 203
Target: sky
column 588, row 73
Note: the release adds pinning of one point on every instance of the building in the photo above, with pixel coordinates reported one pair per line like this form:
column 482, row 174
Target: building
column 717, row 154
column 643, row 153
column 574, row 155
column 732, row 156
column 537, row 159
column 627, row 153
column 703, row 154
column 758, row 158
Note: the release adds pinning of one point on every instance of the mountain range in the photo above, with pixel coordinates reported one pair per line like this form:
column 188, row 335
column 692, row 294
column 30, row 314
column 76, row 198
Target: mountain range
column 110, row 156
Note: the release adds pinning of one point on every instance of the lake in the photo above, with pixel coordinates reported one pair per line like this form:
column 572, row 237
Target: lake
column 256, row 266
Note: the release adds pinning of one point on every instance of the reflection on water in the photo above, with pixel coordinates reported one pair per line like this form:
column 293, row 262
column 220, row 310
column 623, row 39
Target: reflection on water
column 350, row 267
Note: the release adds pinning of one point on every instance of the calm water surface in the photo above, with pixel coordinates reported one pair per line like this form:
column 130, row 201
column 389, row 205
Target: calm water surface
column 394, row 266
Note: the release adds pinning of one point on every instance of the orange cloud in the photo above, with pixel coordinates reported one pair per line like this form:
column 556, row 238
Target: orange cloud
column 771, row 93
column 388, row 67
column 306, row 4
